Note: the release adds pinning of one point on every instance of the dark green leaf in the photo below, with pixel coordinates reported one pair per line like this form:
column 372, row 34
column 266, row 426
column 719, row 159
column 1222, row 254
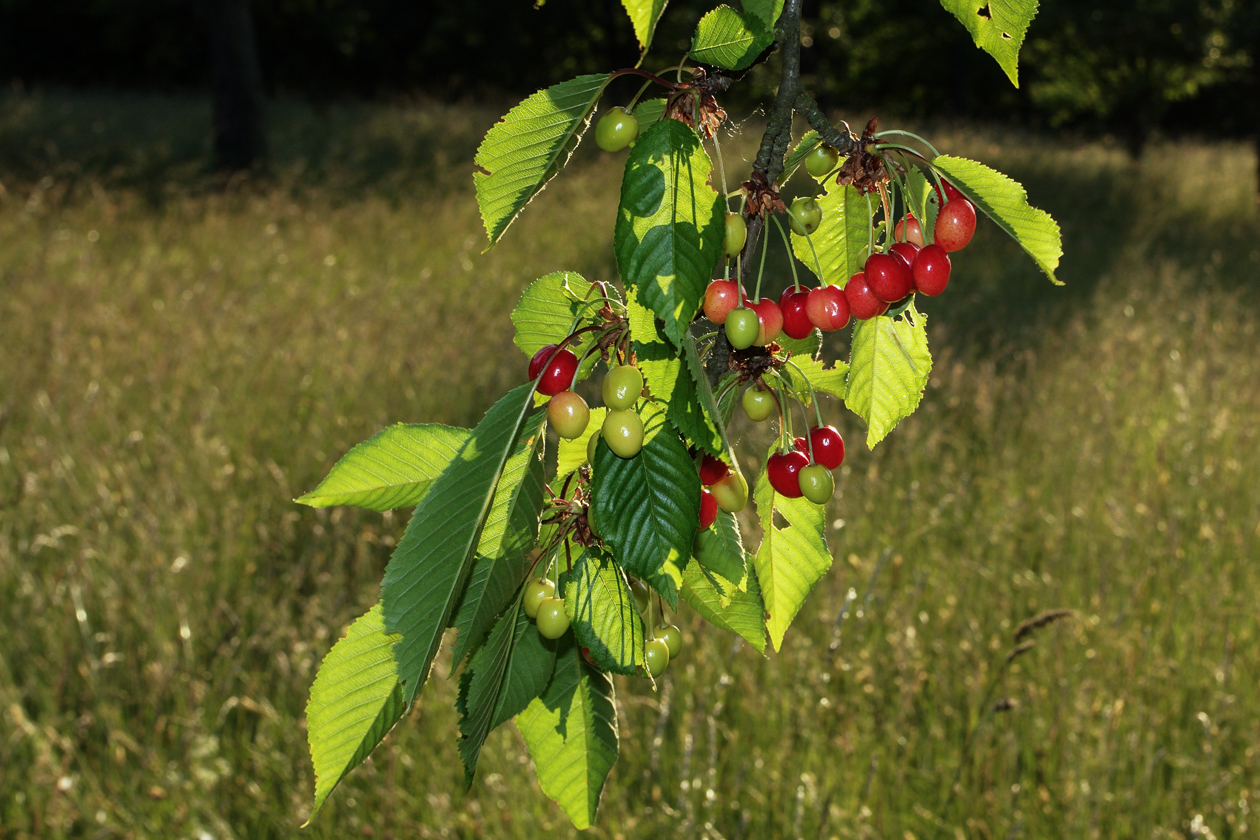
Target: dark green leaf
column 719, row 552
column 426, row 576
column 393, row 469
column 602, row 608
column 528, row 673
column 647, row 507
column 355, row 700
column 571, row 732
column 525, row 150
column 480, row 686
column 670, row 224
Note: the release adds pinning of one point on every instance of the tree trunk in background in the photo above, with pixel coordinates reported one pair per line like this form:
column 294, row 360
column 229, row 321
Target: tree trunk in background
column 236, row 81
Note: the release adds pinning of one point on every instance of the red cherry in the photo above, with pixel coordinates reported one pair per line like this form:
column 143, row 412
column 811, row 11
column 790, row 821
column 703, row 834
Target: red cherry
column 796, row 322
column 862, row 301
column 708, row 508
column 955, row 225
column 558, row 374
column 888, row 277
column 537, row 363
column 720, row 298
column 769, row 319
column 908, row 229
column 828, row 308
column 906, row 251
column 784, row 472
column 951, row 192
column 828, row 446
column 712, row 470
column 931, row 270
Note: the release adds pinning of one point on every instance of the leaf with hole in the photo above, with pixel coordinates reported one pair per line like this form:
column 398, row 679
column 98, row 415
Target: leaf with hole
column 997, row 26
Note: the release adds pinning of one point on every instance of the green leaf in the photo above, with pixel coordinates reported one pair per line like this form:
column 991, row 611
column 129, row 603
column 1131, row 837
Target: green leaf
column 479, row 688
column 572, row 453
column 744, row 614
column 922, row 198
column 428, row 571
column 791, row 559
column 546, row 311
column 670, row 224
column 525, row 150
column 888, row 370
column 571, row 732
column 649, row 111
column 502, row 562
column 393, row 469
column 647, row 507
column 812, row 140
column 832, row 380
column 808, row 347
column 643, row 15
column 529, row 670
column 997, row 26
column 730, row 40
column 605, row 618
column 719, row 553
column 767, row 10
column 841, row 239
column 669, row 379
column 1004, row 201
column 355, row 701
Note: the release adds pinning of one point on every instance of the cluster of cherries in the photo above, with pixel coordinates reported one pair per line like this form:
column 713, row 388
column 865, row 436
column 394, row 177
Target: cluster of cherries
column 805, row 469
column 555, row 367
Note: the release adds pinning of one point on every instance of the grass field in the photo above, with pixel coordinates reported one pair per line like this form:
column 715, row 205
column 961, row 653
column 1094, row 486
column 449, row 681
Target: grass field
column 179, row 361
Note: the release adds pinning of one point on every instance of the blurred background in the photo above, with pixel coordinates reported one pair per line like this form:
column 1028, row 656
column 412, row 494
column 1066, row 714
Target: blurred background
column 237, row 238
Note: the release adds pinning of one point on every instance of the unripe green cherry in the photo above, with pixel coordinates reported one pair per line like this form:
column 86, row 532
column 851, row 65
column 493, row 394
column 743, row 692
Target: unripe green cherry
column 656, row 657
column 622, row 387
column 731, row 492
column 641, row 594
column 672, row 637
column 623, row 432
column 758, row 404
column 736, row 235
column 742, row 326
column 553, row 621
column 537, row 591
column 591, row 445
column 568, row 414
column 804, row 215
column 822, row 160
column 817, row 483
column 615, row 130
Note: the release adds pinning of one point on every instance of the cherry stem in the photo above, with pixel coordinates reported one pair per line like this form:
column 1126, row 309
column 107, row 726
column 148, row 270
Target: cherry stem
column 665, row 83
column 726, row 193
column 910, row 134
column 888, row 221
column 817, row 262
column 765, row 246
column 796, row 281
column 629, row 108
column 870, row 233
column 813, row 397
column 905, row 149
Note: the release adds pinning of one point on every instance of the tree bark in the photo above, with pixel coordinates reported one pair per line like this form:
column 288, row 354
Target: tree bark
column 236, row 82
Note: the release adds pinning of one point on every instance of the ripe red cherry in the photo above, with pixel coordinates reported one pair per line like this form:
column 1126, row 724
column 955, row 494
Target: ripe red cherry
column 784, row 472
column 770, row 321
column 828, row 446
column 828, row 308
column 708, row 509
column 720, row 298
column 712, row 470
column 888, row 277
column 931, row 270
column 862, row 301
column 558, row 373
column 950, row 191
column 793, row 304
column 906, row 251
column 539, row 360
column 955, row 225
column 909, row 230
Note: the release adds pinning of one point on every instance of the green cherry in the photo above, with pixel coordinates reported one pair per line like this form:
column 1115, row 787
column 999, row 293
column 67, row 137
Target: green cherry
column 671, row 636
column 622, row 387
column 656, row 657
column 568, row 414
column 731, row 492
column 536, row 591
column 804, row 215
column 615, row 130
column 736, row 235
column 758, row 404
column 817, row 484
column 553, row 621
column 742, row 326
column 641, row 594
column 590, row 449
column 623, row 432
column 822, row 160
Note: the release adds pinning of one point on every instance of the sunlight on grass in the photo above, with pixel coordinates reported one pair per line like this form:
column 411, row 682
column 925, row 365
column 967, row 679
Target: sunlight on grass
column 179, row 362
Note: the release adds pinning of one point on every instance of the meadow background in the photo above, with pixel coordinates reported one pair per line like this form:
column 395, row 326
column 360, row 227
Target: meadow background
column 180, row 358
